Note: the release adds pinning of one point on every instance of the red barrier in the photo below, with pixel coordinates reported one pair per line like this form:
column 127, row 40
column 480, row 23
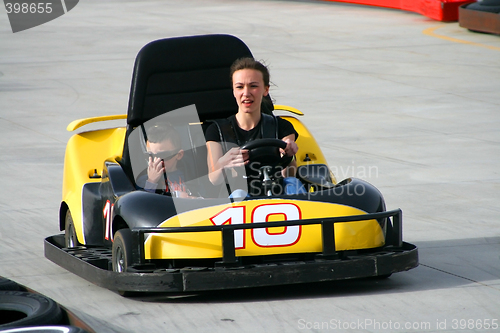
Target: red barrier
column 440, row 10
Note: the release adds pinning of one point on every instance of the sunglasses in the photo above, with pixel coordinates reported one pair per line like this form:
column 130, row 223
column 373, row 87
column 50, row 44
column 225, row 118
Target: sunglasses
column 163, row 155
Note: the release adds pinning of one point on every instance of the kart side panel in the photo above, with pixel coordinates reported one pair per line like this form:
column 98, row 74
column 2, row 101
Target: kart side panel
column 141, row 209
column 92, row 214
column 83, row 163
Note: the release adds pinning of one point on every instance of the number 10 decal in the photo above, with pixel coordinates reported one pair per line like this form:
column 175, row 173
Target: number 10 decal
column 263, row 237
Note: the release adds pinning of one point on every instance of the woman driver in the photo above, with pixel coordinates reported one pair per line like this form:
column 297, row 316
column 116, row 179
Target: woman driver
column 250, row 81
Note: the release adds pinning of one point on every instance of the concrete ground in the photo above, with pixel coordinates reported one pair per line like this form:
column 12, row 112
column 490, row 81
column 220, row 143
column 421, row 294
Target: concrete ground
column 410, row 104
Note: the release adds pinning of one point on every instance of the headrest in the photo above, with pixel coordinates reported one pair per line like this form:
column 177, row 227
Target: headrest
column 175, row 72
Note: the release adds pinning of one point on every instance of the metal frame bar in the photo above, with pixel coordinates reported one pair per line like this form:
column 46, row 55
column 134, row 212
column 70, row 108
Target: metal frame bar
column 397, row 229
column 327, row 228
column 227, row 231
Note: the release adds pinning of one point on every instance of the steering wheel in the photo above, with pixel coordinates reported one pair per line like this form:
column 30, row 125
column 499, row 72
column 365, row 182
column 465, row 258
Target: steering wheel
column 266, row 152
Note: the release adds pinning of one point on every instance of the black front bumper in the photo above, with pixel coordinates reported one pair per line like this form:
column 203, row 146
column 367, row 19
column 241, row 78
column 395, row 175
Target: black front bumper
column 94, row 264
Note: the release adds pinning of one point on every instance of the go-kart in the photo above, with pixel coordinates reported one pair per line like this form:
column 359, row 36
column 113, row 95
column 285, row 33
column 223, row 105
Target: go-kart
column 124, row 238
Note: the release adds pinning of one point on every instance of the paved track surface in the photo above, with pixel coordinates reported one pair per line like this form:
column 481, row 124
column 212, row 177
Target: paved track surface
column 409, row 104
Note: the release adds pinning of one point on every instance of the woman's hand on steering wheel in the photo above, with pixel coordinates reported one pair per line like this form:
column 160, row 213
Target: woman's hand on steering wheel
column 235, row 157
column 253, row 148
column 291, row 147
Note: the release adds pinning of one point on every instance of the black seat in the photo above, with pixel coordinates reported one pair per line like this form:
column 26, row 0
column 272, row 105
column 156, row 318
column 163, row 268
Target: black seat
column 176, row 72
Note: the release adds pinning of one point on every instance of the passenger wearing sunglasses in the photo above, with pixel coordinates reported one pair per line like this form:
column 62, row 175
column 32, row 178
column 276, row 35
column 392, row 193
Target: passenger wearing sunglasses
column 163, row 153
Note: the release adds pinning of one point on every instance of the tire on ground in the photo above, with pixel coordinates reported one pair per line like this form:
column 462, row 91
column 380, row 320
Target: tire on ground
column 6, row 284
column 19, row 308
column 121, row 250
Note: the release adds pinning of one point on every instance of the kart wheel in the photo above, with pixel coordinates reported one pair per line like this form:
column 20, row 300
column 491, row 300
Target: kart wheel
column 121, row 250
column 70, row 239
column 18, row 308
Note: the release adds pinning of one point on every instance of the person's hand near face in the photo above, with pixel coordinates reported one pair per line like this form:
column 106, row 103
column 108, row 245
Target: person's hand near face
column 164, row 161
column 156, row 169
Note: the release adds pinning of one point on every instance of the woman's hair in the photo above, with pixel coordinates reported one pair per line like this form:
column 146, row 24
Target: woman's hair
column 250, row 63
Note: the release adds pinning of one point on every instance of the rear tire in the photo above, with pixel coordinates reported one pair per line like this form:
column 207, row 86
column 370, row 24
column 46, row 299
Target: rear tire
column 70, row 239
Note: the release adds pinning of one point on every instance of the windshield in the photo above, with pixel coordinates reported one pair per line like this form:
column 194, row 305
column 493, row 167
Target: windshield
column 169, row 156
